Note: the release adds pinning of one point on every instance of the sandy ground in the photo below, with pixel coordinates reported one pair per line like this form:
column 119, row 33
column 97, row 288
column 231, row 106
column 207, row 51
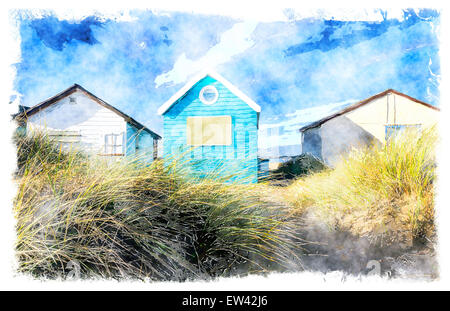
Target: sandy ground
column 330, row 250
column 340, row 251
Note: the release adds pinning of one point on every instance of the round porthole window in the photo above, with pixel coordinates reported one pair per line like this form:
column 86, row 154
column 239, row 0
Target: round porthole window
column 209, row 95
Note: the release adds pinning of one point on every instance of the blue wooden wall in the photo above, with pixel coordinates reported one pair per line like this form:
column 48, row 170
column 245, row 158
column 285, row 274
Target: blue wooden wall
column 263, row 169
column 141, row 147
column 237, row 161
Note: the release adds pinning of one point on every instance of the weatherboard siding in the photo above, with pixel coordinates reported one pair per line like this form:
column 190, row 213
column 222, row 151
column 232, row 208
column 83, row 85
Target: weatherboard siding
column 91, row 121
column 238, row 159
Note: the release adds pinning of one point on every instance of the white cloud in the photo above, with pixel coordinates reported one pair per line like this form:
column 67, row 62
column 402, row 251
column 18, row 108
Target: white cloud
column 232, row 42
column 78, row 14
column 265, row 12
column 308, row 115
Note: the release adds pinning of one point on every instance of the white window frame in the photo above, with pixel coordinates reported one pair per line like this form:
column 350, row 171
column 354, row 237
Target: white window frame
column 117, row 146
column 209, row 88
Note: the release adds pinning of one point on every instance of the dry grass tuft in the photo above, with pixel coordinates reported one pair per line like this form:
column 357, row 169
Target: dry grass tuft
column 122, row 219
column 384, row 193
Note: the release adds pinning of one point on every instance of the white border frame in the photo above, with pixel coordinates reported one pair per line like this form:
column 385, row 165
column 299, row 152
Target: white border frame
column 274, row 281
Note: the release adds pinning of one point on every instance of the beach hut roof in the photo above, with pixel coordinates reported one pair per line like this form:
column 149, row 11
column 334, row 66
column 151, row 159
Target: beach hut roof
column 211, row 73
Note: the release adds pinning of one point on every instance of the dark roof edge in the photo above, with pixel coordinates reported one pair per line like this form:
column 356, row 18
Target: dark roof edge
column 362, row 103
column 72, row 89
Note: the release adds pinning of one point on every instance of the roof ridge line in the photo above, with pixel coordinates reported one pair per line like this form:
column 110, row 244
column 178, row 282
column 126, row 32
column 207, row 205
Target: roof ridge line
column 50, row 101
column 195, row 79
column 362, row 103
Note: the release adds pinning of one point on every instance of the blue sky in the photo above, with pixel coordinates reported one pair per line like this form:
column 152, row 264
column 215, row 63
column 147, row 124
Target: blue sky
column 297, row 70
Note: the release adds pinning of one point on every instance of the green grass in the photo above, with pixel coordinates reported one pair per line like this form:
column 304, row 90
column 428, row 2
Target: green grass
column 385, row 192
column 124, row 219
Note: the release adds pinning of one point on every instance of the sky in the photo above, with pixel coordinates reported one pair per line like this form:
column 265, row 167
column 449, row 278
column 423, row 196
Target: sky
column 297, row 68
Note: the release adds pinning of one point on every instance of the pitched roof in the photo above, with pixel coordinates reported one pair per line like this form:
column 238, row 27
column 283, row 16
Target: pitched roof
column 362, row 103
column 32, row 110
column 182, row 92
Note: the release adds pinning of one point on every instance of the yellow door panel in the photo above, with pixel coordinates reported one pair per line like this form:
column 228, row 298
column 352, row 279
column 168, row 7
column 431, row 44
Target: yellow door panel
column 209, row 131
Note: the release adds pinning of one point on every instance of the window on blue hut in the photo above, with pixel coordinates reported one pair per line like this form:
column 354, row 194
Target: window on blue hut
column 393, row 130
column 208, row 95
column 155, row 149
column 209, row 131
column 136, row 141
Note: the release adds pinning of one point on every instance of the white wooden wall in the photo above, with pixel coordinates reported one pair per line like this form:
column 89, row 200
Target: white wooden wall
column 91, row 120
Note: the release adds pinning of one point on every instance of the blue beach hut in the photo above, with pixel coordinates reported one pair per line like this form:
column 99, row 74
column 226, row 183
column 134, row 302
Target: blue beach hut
column 212, row 127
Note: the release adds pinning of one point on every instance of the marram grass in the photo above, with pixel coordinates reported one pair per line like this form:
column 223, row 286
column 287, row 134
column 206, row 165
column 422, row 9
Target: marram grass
column 124, row 219
column 384, row 192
